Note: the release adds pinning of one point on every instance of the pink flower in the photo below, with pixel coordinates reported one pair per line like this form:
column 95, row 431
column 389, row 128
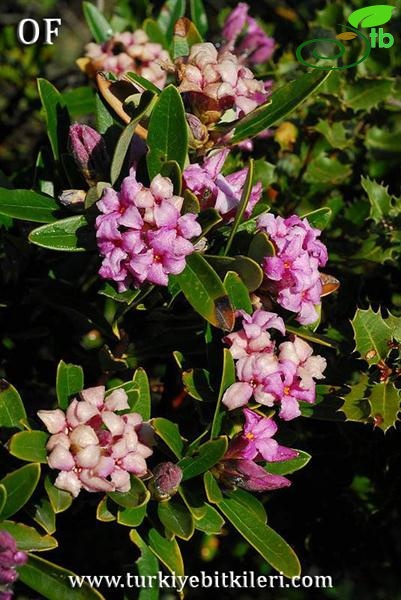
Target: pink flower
column 293, row 273
column 216, row 190
column 256, row 441
column 93, row 446
column 249, row 476
column 269, row 375
column 10, row 559
column 215, row 81
column 129, row 52
column 255, row 47
column 140, row 233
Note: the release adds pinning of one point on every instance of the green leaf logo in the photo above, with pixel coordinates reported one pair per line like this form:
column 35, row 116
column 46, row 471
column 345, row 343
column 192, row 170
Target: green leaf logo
column 371, row 16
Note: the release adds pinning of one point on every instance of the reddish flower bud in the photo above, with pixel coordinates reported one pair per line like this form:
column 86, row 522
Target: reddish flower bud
column 89, row 151
column 166, row 479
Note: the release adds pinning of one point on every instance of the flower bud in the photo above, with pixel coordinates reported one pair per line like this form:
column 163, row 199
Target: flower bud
column 89, row 151
column 72, row 198
column 10, row 558
column 166, row 479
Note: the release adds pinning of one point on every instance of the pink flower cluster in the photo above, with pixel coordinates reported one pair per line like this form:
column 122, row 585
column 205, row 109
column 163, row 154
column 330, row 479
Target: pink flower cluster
column 293, row 273
column 271, row 375
column 10, row 559
column 216, row 190
column 93, row 446
column 254, row 444
column 254, row 47
column 130, row 52
column 216, row 81
column 141, row 234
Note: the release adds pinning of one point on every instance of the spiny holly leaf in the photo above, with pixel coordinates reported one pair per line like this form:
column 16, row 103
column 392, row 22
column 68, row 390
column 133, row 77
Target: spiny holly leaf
column 367, row 93
column 335, row 133
column 381, row 203
column 395, row 324
column 372, row 335
column 356, row 407
column 385, row 402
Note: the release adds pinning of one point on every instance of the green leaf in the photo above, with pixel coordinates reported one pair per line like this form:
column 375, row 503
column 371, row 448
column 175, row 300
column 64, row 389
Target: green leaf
column 59, row 499
column 356, row 406
column 283, row 102
column 69, row 381
column 137, row 496
column 250, row 502
column 68, row 235
column 170, row 434
column 28, row 205
column 20, row 485
column 383, row 141
column 381, row 203
column 260, row 247
column 171, row 11
column 208, row 219
column 57, row 117
column 327, row 170
column 248, row 270
column 168, row 132
column 185, row 36
column 319, row 218
column 167, row 551
column 263, row 538
column 29, row 445
column 385, row 403
column 371, row 16
column 204, row 290
column 103, row 512
column 335, row 133
column 237, row 292
column 144, row 83
column 206, row 456
column 199, row 16
column 311, row 336
column 100, row 29
column 12, row 410
column 42, row 512
column 365, row 94
column 289, row 466
column 147, row 565
column 79, row 101
column 197, row 384
column 154, row 32
column 132, row 517
column 176, row 518
column 243, row 203
column 372, row 335
column 52, row 582
column 125, row 139
column 211, row 522
column 143, row 403
column 227, row 379
column 3, row 497
column 213, row 492
column 28, row 539
column 109, row 291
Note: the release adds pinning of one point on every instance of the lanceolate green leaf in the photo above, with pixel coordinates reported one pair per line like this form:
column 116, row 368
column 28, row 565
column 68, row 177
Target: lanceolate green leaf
column 52, row 582
column 319, row 218
column 12, row 410
column 171, row 11
column 100, row 29
column 69, row 381
column 167, row 551
column 142, row 404
column 263, row 538
column 20, row 485
column 237, row 292
column 283, row 102
column 28, row 205
column 57, row 117
column 147, row 565
column 167, row 134
column 289, row 466
column 29, row 445
column 204, row 290
column 207, row 455
column 169, row 433
column 59, row 499
column 28, row 539
column 227, row 379
column 199, row 15
column 68, row 235
column 175, row 517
